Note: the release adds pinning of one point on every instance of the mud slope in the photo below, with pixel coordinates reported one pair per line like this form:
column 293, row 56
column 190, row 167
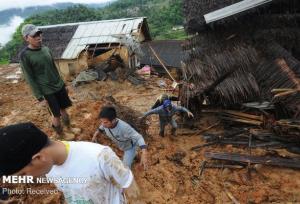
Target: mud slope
column 173, row 174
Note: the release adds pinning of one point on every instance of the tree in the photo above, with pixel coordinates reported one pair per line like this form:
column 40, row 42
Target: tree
column 162, row 16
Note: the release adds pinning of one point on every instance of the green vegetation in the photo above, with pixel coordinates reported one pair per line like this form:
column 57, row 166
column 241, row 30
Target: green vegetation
column 162, row 16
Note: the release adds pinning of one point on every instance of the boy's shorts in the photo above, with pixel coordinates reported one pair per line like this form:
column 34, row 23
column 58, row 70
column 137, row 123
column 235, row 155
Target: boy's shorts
column 58, row 100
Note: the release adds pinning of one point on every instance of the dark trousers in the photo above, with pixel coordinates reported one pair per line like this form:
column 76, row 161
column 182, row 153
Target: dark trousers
column 163, row 123
column 58, row 100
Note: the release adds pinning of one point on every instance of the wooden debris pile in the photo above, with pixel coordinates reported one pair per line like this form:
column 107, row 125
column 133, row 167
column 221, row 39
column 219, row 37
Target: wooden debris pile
column 249, row 139
column 246, row 57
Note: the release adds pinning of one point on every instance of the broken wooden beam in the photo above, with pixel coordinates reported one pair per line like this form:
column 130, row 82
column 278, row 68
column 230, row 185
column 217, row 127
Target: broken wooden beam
column 222, row 166
column 224, row 141
column 236, row 114
column 245, row 115
column 233, row 199
column 266, row 160
column 252, row 122
column 259, row 105
column 197, row 147
column 281, row 90
column 288, row 123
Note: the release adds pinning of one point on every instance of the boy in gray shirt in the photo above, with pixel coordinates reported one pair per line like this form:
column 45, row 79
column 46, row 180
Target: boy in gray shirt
column 121, row 133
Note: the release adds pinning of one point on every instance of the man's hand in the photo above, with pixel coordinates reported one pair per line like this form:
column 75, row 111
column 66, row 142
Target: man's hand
column 94, row 139
column 133, row 191
column 67, row 89
column 144, row 160
column 190, row 115
column 43, row 103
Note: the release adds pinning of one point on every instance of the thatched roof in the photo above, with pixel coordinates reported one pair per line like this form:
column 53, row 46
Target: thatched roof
column 242, row 58
column 58, row 38
column 169, row 51
column 222, row 71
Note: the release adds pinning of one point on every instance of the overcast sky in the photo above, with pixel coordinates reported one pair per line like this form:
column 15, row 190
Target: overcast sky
column 8, row 30
column 27, row 3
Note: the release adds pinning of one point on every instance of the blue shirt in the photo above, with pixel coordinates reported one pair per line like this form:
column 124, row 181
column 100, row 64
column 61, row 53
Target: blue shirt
column 165, row 115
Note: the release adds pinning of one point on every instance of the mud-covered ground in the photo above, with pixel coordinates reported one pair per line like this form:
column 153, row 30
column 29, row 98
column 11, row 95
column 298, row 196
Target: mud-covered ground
column 167, row 180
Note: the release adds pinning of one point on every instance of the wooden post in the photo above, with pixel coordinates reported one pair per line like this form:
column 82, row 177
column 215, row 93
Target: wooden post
column 155, row 54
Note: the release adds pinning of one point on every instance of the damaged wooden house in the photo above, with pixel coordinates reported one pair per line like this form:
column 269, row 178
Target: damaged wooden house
column 242, row 51
column 78, row 46
column 243, row 66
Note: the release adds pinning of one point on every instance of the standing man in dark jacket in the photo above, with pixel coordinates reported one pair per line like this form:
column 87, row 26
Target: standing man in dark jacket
column 43, row 77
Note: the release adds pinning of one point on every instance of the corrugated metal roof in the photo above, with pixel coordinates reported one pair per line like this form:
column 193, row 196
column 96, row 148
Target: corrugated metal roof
column 233, row 9
column 97, row 32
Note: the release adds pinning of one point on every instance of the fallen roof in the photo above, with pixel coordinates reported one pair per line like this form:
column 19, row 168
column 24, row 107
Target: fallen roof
column 98, row 32
column 58, row 43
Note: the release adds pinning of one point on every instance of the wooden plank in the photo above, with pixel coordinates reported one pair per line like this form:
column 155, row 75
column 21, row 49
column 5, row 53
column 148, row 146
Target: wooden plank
column 236, row 141
column 223, row 166
column 197, row 147
column 229, row 194
column 252, row 122
column 281, row 90
column 239, row 117
column 266, row 160
column 236, row 113
column 246, row 115
column 233, row 9
column 259, row 105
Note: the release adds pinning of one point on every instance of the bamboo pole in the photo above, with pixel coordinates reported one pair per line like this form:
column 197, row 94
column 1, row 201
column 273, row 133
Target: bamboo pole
column 160, row 61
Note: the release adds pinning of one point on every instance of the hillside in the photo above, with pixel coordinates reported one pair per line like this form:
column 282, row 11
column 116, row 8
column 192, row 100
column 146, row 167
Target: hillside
column 6, row 15
column 162, row 16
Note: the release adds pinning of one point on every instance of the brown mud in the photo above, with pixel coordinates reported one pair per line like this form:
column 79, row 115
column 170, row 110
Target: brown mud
column 173, row 174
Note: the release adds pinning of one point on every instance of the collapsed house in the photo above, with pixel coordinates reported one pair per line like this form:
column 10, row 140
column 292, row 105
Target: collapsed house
column 77, row 46
column 242, row 51
column 242, row 64
column 169, row 52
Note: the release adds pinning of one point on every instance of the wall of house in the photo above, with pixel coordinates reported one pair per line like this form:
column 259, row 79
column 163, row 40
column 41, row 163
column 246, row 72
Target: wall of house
column 139, row 36
column 69, row 69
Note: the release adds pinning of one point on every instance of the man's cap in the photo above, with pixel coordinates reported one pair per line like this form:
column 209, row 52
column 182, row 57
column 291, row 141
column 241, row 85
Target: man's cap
column 167, row 103
column 18, row 143
column 30, row 29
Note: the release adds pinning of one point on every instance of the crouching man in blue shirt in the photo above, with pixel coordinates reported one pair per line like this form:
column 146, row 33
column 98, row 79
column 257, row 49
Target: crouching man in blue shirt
column 121, row 133
column 166, row 112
